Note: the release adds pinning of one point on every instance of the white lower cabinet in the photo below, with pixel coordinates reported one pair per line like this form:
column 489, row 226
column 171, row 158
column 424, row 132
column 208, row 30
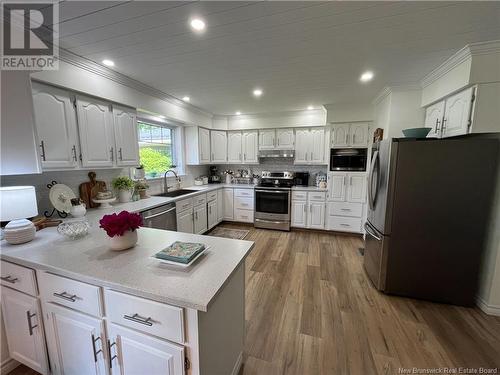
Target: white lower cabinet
column 76, row 341
column 212, row 218
column 299, row 214
column 308, row 210
column 133, row 353
column 200, row 219
column 185, row 221
column 316, row 218
column 220, row 206
column 24, row 329
column 228, row 203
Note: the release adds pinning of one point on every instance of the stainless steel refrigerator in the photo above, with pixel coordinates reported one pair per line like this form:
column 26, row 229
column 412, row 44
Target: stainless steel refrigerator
column 429, row 202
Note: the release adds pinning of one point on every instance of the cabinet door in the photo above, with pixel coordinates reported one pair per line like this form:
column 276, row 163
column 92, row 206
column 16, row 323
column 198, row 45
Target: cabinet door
column 55, row 121
column 250, row 147
column 317, row 146
column 266, row 139
column 234, row 151
column 337, row 187
column 358, row 135
column 126, row 139
column 316, row 217
column 185, row 222
column 76, row 342
column 218, row 146
column 212, row 214
column 356, row 192
column 285, row 139
column 340, row 135
column 26, row 345
column 434, row 118
column 204, row 145
column 457, row 113
column 200, row 219
column 96, row 132
column 220, row 206
column 302, row 146
column 299, row 213
column 228, row 203
column 136, row 353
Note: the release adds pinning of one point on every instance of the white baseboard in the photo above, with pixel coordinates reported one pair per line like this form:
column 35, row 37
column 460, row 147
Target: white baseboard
column 8, row 365
column 237, row 365
column 488, row 309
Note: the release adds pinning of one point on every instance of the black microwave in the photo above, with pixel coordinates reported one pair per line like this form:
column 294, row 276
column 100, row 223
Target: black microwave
column 348, row 159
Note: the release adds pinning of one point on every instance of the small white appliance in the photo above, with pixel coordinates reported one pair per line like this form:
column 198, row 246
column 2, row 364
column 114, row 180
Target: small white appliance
column 17, row 203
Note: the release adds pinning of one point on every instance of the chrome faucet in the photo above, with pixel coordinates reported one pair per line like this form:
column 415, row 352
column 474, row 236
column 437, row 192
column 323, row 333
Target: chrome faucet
column 165, row 180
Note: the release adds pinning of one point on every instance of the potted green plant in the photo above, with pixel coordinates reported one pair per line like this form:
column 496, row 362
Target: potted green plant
column 125, row 187
column 141, row 186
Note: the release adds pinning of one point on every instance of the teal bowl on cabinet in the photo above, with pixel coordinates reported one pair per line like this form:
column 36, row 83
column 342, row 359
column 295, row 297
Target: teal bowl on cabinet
column 416, row 132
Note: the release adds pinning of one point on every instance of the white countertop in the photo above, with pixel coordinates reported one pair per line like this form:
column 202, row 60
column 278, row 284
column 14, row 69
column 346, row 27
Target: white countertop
column 134, row 271
column 308, row 188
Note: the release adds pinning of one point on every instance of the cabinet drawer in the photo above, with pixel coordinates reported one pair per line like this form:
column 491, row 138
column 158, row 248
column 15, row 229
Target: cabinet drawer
column 199, row 200
column 71, row 293
column 345, row 209
column 245, row 216
column 318, row 196
column 212, row 196
column 184, row 205
column 344, row 224
column 144, row 315
column 243, row 203
column 243, row 193
column 299, row 195
column 18, row 277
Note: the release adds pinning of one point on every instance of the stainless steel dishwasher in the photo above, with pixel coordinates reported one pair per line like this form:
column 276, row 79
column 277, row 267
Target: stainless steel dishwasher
column 162, row 217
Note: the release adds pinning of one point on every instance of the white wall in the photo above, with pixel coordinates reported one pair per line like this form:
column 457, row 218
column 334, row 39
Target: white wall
column 352, row 112
column 316, row 117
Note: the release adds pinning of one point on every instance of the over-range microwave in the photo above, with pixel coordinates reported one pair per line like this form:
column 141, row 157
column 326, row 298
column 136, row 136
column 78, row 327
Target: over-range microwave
column 348, row 159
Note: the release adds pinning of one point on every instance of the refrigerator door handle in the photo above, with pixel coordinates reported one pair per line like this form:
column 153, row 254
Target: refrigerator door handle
column 370, row 231
column 371, row 196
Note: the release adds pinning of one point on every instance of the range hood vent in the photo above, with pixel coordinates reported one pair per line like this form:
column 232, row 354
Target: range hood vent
column 277, row 154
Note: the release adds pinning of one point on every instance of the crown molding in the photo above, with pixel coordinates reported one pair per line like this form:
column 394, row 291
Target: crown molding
column 387, row 90
column 259, row 115
column 92, row 67
column 464, row 54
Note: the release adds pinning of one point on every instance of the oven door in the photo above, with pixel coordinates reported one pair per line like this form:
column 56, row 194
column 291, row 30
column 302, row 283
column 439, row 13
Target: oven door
column 272, row 204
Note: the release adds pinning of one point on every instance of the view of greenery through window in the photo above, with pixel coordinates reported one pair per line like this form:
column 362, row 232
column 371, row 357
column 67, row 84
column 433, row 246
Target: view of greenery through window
column 155, row 148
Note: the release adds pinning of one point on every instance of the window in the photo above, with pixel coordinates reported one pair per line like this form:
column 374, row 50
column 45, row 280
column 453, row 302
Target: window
column 156, row 148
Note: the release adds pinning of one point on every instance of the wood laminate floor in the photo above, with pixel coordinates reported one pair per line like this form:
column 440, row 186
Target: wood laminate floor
column 310, row 310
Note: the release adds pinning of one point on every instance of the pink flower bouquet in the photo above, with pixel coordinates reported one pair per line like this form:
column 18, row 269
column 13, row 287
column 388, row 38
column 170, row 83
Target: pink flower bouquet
column 118, row 225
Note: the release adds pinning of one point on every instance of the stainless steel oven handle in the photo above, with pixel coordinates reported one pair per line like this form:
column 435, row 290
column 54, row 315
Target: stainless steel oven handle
column 159, row 214
column 369, row 230
column 273, row 191
column 269, row 221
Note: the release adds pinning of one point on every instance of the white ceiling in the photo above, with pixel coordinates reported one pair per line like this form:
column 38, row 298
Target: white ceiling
column 299, row 53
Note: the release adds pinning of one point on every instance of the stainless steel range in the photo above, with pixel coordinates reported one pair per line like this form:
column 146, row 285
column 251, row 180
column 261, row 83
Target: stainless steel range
column 272, row 200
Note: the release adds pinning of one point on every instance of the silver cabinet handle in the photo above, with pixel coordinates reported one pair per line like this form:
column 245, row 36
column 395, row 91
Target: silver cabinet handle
column 66, row 296
column 312, row 156
column 437, row 126
column 350, row 180
column 305, row 208
column 120, row 152
column 112, row 154
column 75, row 158
column 94, row 340
column 240, row 156
column 42, row 146
column 310, row 208
column 30, row 327
column 244, row 156
column 109, row 354
column 345, row 209
column 9, row 279
column 139, row 319
column 443, row 128
column 343, row 180
column 353, row 138
column 345, row 225
column 306, row 156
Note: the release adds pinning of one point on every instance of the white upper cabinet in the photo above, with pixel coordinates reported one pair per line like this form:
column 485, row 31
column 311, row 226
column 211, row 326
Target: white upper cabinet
column 457, row 113
column 317, row 146
column 197, row 142
column 234, row 147
column 204, row 145
column 310, row 146
column 250, row 145
column 127, row 144
column 55, row 122
column 350, row 135
column 267, row 139
column 302, row 146
column 434, row 118
column 340, row 135
column 285, row 139
column 218, row 146
column 96, row 132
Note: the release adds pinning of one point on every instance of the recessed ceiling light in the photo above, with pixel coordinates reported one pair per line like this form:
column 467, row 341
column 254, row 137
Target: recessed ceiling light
column 257, row 92
column 162, row 117
column 366, row 76
column 197, row 24
column 310, row 107
column 108, row 62
column 238, row 113
column 186, row 98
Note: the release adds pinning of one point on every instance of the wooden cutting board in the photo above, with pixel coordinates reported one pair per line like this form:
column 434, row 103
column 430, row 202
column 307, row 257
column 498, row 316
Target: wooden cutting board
column 89, row 190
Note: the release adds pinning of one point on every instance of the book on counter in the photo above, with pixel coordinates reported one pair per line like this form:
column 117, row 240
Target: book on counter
column 181, row 252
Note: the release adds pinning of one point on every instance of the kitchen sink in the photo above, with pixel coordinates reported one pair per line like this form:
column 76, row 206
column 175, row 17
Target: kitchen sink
column 176, row 193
